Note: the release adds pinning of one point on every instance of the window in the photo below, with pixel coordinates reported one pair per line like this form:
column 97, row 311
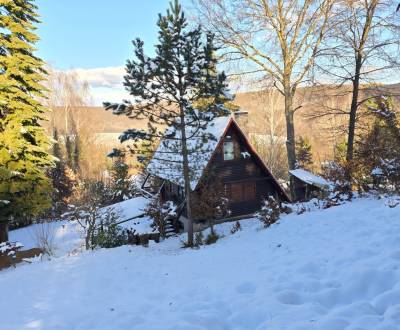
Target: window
column 229, row 153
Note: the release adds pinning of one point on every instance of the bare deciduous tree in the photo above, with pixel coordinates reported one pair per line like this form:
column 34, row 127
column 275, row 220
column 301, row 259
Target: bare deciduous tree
column 361, row 48
column 277, row 38
column 271, row 145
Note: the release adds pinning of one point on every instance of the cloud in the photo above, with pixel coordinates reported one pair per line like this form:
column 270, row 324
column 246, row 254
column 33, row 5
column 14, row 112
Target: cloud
column 111, row 77
column 108, row 94
column 106, row 83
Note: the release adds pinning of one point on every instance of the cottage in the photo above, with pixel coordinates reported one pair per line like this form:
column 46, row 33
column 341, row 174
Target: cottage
column 308, row 185
column 227, row 162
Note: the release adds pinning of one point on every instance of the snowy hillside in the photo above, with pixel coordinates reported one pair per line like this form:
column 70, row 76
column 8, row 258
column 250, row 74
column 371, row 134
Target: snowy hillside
column 326, row 269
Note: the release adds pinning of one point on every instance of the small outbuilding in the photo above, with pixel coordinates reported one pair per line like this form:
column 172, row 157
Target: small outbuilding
column 308, row 185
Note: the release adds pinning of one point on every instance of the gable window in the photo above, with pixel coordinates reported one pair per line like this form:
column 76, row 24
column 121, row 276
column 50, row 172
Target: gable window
column 229, row 153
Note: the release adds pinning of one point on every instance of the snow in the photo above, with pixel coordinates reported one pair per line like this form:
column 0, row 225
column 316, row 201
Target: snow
column 129, row 208
column 167, row 163
column 337, row 268
column 377, row 171
column 132, row 208
column 310, row 178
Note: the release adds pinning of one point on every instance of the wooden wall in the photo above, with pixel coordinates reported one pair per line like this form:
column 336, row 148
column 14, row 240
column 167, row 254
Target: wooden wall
column 244, row 181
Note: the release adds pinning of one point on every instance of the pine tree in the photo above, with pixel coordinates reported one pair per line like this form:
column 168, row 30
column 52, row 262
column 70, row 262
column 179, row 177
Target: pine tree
column 166, row 87
column 24, row 158
column 303, row 153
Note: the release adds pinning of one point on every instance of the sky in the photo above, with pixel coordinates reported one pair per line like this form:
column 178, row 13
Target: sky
column 93, row 37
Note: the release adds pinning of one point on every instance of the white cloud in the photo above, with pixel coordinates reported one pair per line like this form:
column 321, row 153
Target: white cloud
column 106, row 84
column 108, row 94
column 102, row 77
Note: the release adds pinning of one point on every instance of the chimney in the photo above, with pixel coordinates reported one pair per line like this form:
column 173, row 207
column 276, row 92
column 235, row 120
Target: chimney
column 242, row 118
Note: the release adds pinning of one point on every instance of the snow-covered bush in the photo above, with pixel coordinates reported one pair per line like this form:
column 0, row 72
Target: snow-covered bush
column 211, row 238
column 9, row 248
column 210, row 204
column 336, row 172
column 43, row 234
column 236, row 227
column 269, row 213
column 198, row 239
column 159, row 212
column 377, row 151
column 108, row 234
column 86, row 210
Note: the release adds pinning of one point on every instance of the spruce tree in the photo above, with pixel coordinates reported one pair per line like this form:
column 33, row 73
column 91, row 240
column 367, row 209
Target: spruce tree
column 303, row 153
column 121, row 184
column 24, row 158
column 165, row 89
column 61, row 181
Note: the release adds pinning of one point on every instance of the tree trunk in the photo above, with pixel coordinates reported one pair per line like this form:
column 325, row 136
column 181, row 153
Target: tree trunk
column 352, row 123
column 186, row 177
column 290, row 139
column 353, row 110
column 3, row 231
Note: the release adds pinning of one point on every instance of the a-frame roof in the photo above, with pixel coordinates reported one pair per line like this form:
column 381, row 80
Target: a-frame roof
column 167, row 162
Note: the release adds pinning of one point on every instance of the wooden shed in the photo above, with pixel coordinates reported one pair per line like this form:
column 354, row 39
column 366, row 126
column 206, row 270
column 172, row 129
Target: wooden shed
column 308, row 185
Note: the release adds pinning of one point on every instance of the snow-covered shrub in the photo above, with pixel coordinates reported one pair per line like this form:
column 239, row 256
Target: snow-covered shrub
column 377, row 151
column 86, row 210
column 198, row 239
column 160, row 212
column 43, row 234
column 236, row 227
column 336, row 173
column 211, row 238
column 210, row 203
column 269, row 213
column 392, row 203
column 9, row 248
column 108, row 234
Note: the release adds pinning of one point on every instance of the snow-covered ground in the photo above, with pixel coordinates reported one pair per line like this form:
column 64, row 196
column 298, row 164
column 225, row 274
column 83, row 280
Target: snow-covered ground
column 326, row 269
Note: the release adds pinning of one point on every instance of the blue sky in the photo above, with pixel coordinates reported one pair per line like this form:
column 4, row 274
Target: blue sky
column 94, row 37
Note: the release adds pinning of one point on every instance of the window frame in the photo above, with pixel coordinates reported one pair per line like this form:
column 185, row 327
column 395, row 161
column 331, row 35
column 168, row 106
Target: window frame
column 230, row 142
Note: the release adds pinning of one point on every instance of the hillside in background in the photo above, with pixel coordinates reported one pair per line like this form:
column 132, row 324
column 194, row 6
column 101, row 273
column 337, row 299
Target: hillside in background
column 265, row 115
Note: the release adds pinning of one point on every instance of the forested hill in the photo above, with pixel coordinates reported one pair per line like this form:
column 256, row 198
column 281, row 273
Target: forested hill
column 265, row 113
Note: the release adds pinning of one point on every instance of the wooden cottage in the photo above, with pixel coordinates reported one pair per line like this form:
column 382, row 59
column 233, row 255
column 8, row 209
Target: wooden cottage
column 308, row 185
column 227, row 164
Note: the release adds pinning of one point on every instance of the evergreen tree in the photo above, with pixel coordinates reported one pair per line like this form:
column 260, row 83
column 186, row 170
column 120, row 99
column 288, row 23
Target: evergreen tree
column 377, row 152
column 303, row 153
column 24, row 158
column 61, row 180
column 166, row 87
column 121, row 184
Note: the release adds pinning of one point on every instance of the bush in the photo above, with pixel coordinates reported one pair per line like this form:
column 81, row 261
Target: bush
column 43, row 235
column 110, row 237
column 211, row 238
column 198, row 239
column 159, row 213
column 269, row 212
column 236, row 227
column 109, row 234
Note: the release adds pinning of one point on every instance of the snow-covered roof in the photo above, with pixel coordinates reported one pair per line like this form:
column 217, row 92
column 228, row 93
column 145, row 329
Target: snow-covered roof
column 167, row 162
column 127, row 209
column 309, row 178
